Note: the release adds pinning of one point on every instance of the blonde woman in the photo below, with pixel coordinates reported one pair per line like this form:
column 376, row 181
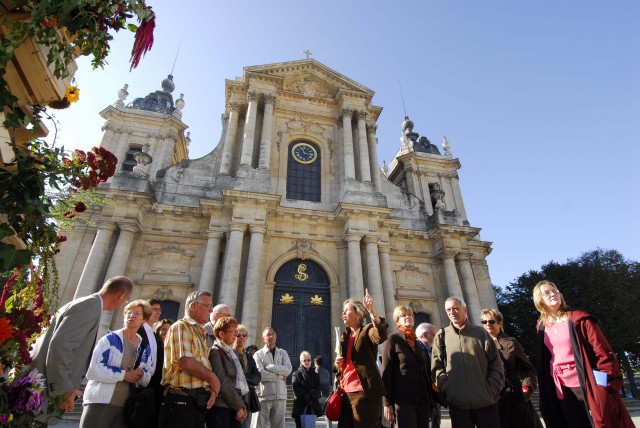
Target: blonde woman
column 306, row 387
column 572, row 351
column 251, row 372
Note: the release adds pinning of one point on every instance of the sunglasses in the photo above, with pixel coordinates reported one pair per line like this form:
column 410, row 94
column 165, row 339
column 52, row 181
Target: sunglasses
column 485, row 322
column 241, row 335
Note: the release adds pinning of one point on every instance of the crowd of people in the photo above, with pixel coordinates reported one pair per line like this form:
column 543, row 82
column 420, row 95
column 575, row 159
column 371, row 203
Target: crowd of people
column 198, row 371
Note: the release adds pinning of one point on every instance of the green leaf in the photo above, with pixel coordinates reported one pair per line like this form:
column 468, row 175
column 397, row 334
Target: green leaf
column 10, row 257
column 132, row 27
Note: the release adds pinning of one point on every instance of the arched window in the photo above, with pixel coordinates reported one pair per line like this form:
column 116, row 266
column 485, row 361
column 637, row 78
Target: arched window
column 303, row 171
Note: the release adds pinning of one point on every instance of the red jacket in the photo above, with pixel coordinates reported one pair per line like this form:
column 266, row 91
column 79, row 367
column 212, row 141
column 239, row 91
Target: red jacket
column 592, row 352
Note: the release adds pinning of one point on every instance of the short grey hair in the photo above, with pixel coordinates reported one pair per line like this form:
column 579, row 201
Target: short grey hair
column 422, row 328
column 194, row 297
column 457, row 299
column 218, row 308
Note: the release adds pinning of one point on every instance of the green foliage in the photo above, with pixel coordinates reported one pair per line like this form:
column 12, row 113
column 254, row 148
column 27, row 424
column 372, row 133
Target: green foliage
column 601, row 282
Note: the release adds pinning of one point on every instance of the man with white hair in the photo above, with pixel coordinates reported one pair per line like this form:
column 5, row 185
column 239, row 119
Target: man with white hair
column 425, row 333
column 219, row 311
column 466, row 365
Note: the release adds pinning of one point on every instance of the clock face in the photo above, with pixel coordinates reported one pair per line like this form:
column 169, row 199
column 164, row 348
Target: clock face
column 304, row 153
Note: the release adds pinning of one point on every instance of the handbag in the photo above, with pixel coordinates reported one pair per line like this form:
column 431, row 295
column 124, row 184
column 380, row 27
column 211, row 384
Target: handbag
column 333, row 408
column 308, row 420
column 140, row 407
column 253, row 402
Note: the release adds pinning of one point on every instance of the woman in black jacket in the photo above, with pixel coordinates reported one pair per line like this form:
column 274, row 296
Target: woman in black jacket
column 251, row 372
column 306, row 387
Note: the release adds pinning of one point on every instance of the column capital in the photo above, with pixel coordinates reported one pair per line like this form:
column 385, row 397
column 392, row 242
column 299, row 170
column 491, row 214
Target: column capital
column 447, row 254
column 129, row 227
column 372, row 128
column 214, row 234
column 110, row 226
column 353, row 237
column 237, row 227
column 233, row 106
column 269, row 99
column 252, row 96
column 368, row 239
column 361, row 114
column 346, row 113
column 258, row 228
column 463, row 255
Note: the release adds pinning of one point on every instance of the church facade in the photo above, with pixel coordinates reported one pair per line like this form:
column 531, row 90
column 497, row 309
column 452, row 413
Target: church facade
column 288, row 216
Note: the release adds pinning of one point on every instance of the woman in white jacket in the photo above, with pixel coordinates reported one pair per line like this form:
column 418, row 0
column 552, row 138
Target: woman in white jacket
column 111, row 371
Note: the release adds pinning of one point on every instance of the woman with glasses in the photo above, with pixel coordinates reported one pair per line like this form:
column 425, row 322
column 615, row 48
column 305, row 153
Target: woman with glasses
column 112, row 370
column 306, row 388
column 251, row 372
column 404, row 374
column 516, row 409
column 578, row 373
column 229, row 409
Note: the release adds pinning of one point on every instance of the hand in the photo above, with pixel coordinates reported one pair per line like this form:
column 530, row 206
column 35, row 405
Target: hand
column 214, row 383
column 132, row 376
column 241, row 415
column 212, row 398
column 368, row 301
column 339, row 362
column 68, row 404
column 388, row 413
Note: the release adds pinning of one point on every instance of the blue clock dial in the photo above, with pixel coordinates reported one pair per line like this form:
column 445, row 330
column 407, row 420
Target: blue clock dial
column 304, row 153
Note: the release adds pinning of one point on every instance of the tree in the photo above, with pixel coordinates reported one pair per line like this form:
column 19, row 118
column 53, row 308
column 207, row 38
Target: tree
column 601, row 282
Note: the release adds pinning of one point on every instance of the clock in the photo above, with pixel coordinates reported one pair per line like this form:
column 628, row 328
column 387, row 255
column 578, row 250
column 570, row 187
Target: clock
column 304, row 153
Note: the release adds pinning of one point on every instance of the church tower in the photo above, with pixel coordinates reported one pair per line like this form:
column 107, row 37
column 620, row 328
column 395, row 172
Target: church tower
column 288, row 215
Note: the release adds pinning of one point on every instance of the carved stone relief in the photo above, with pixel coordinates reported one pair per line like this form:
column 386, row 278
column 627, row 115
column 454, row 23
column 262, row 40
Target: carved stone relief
column 413, row 281
column 308, row 86
column 303, row 248
column 169, row 265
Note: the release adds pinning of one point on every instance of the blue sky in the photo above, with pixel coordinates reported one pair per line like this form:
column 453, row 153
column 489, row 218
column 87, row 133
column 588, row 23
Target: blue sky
column 540, row 100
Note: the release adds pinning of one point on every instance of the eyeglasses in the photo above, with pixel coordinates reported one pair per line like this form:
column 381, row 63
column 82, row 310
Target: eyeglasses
column 242, row 334
column 231, row 331
column 306, row 361
column 208, row 305
column 485, row 322
column 549, row 293
column 137, row 314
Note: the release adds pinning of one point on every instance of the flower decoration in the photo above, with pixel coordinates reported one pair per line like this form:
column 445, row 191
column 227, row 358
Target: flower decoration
column 21, row 398
column 72, row 94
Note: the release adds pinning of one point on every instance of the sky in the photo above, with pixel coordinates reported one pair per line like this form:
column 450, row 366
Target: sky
column 540, row 100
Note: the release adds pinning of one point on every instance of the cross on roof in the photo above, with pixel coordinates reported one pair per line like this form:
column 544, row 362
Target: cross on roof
column 307, row 52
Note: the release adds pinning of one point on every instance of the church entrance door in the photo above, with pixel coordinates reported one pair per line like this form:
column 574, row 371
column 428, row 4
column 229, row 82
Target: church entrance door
column 301, row 311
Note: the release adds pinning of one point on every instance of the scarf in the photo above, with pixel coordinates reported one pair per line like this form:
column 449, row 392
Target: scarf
column 409, row 336
column 241, row 381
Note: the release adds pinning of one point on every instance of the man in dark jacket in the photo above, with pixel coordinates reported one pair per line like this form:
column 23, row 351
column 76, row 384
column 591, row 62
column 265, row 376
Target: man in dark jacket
column 425, row 333
column 467, row 367
column 325, row 385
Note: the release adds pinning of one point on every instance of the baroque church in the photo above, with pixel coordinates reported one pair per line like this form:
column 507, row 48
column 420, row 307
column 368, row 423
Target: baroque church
column 288, row 216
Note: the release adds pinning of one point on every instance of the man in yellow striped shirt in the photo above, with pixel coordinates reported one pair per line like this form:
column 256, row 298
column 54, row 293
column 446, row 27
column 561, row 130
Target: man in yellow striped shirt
column 190, row 387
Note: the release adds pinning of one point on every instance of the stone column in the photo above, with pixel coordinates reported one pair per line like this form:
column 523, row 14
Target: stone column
column 365, row 167
column 356, row 286
column 210, row 263
column 373, row 272
column 90, row 276
column 117, row 267
column 373, row 154
column 231, row 275
column 387, row 282
column 229, row 139
column 246, row 157
column 470, row 289
column 347, row 142
column 267, row 129
column 451, row 273
column 253, row 284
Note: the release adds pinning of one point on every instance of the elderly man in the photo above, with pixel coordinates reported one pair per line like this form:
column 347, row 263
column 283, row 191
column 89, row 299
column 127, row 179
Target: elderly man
column 467, row 367
column 274, row 366
column 219, row 311
column 425, row 333
column 62, row 354
column 146, row 330
column 190, row 387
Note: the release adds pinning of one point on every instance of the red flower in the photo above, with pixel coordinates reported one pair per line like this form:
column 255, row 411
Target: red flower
column 5, row 330
column 80, row 207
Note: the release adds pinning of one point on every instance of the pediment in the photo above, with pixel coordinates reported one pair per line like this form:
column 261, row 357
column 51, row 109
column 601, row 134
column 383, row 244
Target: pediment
column 308, row 78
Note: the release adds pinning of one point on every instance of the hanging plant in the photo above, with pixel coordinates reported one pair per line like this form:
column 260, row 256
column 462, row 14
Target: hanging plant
column 59, row 104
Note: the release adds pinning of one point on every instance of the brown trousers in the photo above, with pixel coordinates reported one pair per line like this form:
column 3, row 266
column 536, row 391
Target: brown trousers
column 359, row 411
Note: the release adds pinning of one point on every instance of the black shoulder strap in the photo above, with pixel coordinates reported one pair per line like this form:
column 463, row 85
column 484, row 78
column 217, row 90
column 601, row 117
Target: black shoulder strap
column 443, row 349
column 143, row 345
